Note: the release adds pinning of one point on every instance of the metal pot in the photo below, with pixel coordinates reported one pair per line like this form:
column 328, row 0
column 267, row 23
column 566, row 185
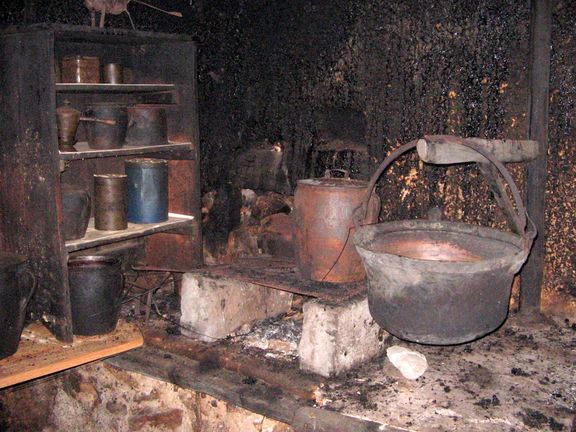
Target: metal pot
column 80, row 69
column 441, row 282
column 108, row 134
column 75, row 211
column 110, row 202
column 96, row 286
column 323, row 219
column 15, row 292
column 147, row 190
column 147, row 125
column 67, row 119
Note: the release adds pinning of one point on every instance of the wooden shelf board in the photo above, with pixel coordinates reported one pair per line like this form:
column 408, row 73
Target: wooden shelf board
column 95, row 237
column 112, row 88
column 41, row 354
column 83, row 151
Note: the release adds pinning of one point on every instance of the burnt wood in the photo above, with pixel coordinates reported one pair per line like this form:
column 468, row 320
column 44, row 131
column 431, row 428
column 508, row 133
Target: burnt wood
column 288, row 377
column 237, row 390
column 541, row 29
column 29, row 173
column 444, row 150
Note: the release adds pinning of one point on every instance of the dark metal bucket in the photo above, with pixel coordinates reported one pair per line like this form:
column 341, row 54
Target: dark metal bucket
column 440, row 282
column 96, row 286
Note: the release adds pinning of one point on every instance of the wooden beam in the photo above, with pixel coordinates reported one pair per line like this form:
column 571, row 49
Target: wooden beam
column 540, row 39
column 235, row 389
column 232, row 358
column 445, row 150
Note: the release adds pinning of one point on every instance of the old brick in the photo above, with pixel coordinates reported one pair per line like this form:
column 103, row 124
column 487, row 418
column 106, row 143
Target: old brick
column 213, row 308
column 337, row 338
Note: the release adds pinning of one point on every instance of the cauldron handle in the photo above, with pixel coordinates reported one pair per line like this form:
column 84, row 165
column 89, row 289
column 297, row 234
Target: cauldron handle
column 528, row 234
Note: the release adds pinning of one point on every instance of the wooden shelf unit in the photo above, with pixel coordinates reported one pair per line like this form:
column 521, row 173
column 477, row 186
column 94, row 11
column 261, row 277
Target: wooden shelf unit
column 32, row 169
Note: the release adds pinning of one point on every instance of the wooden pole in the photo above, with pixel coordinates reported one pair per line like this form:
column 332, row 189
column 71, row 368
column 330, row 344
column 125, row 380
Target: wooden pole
column 540, row 39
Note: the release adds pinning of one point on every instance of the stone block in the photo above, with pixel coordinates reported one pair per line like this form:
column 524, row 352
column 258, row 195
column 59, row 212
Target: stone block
column 213, row 308
column 337, row 338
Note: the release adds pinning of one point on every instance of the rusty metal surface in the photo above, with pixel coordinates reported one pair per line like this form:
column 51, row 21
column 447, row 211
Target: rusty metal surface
column 439, row 283
column 110, row 212
column 285, row 276
column 323, row 216
column 147, row 125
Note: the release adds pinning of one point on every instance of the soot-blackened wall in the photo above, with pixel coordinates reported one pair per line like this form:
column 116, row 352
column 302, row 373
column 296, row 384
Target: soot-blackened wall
column 410, row 67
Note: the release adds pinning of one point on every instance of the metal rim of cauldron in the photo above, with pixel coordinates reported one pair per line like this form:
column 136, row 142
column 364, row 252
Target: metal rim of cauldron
column 365, row 234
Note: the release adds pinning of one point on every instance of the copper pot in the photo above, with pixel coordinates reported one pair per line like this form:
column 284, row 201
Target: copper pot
column 324, row 226
column 80, row 69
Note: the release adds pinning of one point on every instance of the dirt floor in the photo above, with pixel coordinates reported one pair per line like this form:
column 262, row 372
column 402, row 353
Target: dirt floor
column 520, row 378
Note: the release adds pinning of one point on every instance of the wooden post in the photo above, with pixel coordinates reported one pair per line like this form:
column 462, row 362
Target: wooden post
column 540, row 39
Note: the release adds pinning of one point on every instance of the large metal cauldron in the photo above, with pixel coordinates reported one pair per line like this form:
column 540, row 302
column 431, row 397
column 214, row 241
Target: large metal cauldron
column 323, row 217
column 440, row 282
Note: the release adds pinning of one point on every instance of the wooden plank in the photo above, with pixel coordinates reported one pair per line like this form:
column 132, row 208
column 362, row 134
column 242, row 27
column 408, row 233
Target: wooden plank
column 236, row 390
column 283, row 275
column 83, row 151
column 95, row 237
column 40, row 354
column 445, row 150
column 210, row 379
column 29, row 173
column 532, row 275
column 112, row 88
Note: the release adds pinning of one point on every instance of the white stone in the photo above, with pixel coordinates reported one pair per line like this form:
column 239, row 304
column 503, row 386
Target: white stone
column 411, row 364
column 213, row 308
column 337, row 338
